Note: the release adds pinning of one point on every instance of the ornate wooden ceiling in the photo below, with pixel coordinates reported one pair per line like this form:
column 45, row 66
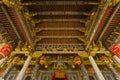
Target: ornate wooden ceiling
column 60, row 22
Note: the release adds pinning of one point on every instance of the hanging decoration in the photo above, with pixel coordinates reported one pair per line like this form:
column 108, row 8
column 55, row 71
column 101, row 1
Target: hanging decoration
column 104, row 58
column 28, row 70
column 116, row 49
column 77, row 60
column 42, row 60
column 5, row 49
column 91, row 70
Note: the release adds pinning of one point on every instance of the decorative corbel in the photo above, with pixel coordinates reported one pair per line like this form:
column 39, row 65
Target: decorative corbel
column 82, row 30
column 83, row 21
column 9, row 3
column 101, row 5
column 35, row 30
column 81, row 39
column 114, row 2
column 29, row 15
column 101, row 46
column 25, row 47
column 118, row 33
column 36, row 40
column 34, row 22
column 95, row 47
column 18, row 48
column 109, row 41
column 92, row 15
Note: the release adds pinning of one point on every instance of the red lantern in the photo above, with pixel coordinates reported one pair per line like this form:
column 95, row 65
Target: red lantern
column 77, row 60
column 5, row 49
column 116, row 49
column 42, row 60
column 91, row 70
column 28, row 70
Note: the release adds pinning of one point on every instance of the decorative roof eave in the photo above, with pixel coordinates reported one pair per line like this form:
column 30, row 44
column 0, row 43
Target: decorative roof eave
column 22, row 26
column 60, row 3
column 108, row 23
column 98, row 23
column 17, row 12
column 11, row 22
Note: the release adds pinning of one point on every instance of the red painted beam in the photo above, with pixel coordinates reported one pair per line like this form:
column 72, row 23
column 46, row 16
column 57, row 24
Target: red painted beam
column 102, row 23
column 20, row 25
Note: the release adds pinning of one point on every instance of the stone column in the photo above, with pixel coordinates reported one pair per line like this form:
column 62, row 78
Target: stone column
column 117, row 76
column 3, row 60
column 96, row 69
column 84, row 71
column 9, row 67
column 35, row 72
column 23, row 70
column 116, row 58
